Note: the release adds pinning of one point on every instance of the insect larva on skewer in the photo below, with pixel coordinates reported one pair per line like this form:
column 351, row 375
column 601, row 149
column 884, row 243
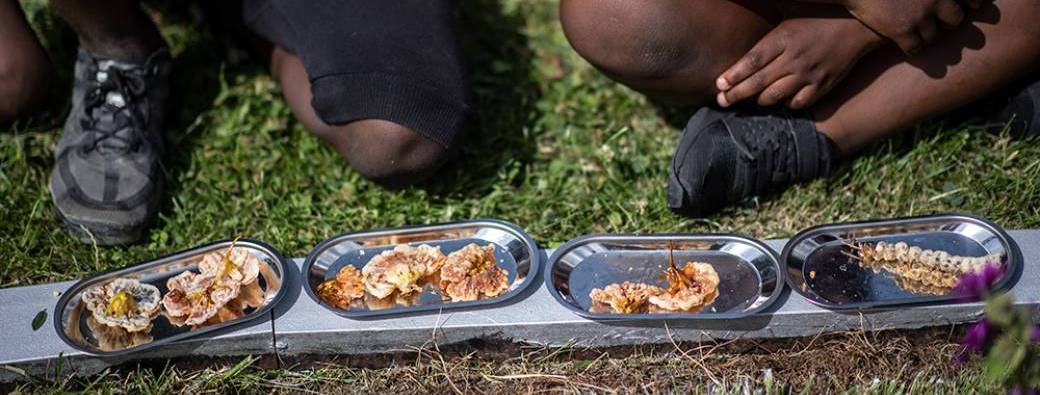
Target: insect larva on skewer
column 923, row 266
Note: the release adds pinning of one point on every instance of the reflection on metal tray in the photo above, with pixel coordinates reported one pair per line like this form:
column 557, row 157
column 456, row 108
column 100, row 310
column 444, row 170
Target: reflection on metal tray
column 820, row 267
column 77, row 328
column 515, row 252
column 749, row 273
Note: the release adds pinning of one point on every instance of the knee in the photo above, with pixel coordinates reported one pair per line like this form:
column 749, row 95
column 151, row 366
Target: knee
column 387, row 153
column 628, row 40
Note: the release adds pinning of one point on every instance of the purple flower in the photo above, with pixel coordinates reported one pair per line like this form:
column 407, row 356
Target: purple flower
column 976, row 285
column 1020, row 391
column 975, row 339
column 1034, row 334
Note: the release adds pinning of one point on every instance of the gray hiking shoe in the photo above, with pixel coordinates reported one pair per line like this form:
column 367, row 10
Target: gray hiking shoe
column 107, row 178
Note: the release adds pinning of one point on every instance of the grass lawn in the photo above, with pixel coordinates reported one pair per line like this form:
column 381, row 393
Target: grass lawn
column 562, row 151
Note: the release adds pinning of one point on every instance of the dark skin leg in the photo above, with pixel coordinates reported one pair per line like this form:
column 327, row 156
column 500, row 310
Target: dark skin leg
column 115, row 29
column 25, row 70
column 887, row 91
column 382, row 151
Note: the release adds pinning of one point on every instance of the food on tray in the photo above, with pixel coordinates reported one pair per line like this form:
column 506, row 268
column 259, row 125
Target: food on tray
column 225, row 286
column 123, row 303
column 689, row 289
column 920, row 270
column 344, row 291
column 624, row 298
column 408, row 299
column 472, row 273
column 115, row 338
column 404, row 270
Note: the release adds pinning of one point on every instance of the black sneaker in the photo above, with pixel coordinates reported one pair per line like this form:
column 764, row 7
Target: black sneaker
column 1020, row 111
column 107, row 179
column 725, row 157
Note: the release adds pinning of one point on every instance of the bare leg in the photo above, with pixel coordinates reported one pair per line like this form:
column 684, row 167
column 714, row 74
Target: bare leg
column 25, row 70
column 889, row 92
column 886, row 93
column 669, row 49
column 116, row 29
column 382, row 151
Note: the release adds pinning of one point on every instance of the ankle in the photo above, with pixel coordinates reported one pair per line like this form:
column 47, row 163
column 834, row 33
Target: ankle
column 132, row 48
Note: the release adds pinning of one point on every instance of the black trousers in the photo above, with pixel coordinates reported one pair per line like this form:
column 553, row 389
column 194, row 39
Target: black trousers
column 395, row 60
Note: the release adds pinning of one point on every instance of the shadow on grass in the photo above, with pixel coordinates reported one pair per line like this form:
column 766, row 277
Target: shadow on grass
column 497, row 57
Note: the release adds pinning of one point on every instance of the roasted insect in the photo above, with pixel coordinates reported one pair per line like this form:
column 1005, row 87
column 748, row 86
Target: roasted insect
column 123, row 303
column 472, row 273
column 404, row 270
column 690, row 288
column 114, row 338
column 196, row 298
column 928, row 270
column 344, row 291
column 625, row 298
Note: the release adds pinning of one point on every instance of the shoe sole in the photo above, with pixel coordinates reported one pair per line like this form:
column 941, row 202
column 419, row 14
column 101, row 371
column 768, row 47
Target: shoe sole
column 90, row 233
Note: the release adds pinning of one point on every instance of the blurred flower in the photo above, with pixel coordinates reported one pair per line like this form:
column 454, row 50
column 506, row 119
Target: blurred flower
column 975, row 339
column 1020, row 391
column 1034, row 334
column 976, row 285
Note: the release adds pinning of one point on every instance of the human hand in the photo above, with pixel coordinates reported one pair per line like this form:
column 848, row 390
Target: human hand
column 799, row 61
column 910, row 23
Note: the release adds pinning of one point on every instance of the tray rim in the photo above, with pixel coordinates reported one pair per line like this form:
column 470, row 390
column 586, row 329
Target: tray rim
column 81, row 285
column 1014, row 259
column 533, row 271
column 570, row 244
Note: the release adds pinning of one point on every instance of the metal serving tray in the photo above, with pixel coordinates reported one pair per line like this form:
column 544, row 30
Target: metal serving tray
column 817, row 268
column 517, row 253
column 71, row 322
column 749, row 272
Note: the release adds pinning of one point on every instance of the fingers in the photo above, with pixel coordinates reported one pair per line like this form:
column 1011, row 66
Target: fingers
column 949, row 13
column 929, row 30
column 780, row 90
column 750, row 86
column 758, row 57
column 805, row 97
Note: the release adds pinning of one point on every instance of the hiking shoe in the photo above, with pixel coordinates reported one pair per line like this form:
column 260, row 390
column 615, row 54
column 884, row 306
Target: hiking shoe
column 107, row 178
column 726, row 157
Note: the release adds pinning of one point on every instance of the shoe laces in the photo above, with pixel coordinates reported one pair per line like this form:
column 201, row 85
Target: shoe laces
column 769, row 147
column 110, row 111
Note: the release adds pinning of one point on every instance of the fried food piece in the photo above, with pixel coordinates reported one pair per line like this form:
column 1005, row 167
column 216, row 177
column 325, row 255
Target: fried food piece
column 194, row 298
column 689, row 289
column 123, row 303
column 923, row 268
column 472, row 273
column 115, row 338
column 401, row 270
column 394, row 299
column 343, row 290
column 625, row 298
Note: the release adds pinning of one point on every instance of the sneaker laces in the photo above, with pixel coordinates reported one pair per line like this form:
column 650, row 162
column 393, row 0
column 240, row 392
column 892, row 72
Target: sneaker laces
column 110, row 113
column 771, row 149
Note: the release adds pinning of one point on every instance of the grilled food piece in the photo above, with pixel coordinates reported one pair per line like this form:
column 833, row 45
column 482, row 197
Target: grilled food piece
column 690, row 289
column 344, row 290
column 624, row 298
column 405, row 270
column 921, row 267
column 472, row 273
column 123, row 303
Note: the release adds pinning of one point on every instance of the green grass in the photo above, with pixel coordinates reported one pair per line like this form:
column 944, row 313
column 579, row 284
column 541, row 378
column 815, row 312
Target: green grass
column 562, row 151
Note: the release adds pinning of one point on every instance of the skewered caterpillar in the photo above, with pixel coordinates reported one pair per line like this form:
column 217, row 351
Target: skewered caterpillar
column 923, row 267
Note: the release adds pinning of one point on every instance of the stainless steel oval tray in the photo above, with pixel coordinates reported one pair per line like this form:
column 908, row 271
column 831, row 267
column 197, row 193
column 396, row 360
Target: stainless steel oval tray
column 515, row 251
column 820, row 267
column 72, row 318
column 749, row 272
